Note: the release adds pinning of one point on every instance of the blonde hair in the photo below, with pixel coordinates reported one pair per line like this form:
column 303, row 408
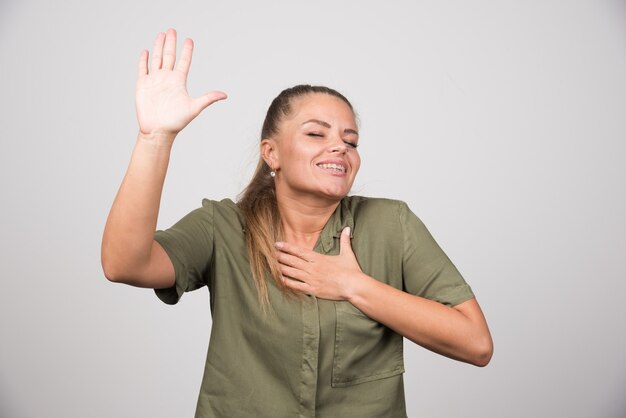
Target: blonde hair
column 258, row 203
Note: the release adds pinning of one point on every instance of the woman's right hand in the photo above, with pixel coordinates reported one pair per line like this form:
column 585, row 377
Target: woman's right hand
column 163, row 104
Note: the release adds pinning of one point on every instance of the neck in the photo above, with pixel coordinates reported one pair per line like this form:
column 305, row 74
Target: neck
column 302, row 219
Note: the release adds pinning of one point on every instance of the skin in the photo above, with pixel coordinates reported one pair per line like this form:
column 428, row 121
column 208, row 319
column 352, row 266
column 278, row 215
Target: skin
column 129, row 253
column 321, row 129
column 307, row 196
column 458, row 332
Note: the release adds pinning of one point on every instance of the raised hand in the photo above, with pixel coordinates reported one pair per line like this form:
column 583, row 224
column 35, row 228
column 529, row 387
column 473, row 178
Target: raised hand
column 325, row 276
column 163, row 104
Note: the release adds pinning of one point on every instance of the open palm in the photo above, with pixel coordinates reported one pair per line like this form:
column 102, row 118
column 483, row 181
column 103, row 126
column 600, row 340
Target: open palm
column 163, row 104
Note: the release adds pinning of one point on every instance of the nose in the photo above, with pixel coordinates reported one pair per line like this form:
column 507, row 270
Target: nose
column 339, row 149
column 338, row 146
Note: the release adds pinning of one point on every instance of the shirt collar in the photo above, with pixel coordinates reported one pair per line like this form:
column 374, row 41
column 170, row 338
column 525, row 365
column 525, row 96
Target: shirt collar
column 341, row 218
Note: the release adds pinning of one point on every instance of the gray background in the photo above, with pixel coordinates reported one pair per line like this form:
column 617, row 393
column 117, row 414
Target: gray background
column 501, row 123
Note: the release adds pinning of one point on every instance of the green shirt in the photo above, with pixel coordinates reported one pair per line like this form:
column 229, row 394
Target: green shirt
column 311, row 357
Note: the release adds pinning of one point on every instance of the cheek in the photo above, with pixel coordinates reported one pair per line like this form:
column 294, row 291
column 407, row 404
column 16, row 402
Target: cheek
column 356, row 163
column 294, row 159
column 300, row 153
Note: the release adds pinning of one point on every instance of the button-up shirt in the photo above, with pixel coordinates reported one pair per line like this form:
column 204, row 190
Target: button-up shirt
column 308, row 357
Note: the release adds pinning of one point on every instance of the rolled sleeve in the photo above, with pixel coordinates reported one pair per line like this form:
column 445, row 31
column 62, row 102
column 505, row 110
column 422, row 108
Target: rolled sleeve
column 427, row 271
column 189, row 245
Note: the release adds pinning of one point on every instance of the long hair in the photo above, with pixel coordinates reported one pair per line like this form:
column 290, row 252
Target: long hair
column 258, row 203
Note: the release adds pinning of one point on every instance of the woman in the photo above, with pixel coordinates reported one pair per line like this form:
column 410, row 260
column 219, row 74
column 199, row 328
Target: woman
column 311, row 290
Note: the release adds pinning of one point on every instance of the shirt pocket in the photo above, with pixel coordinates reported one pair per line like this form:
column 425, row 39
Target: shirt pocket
column 365, row 350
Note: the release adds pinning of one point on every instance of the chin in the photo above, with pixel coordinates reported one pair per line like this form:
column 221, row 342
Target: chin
column 330, row 192
column 336, row 194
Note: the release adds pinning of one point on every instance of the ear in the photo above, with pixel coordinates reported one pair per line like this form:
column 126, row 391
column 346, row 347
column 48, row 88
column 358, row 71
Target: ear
column 269, row 153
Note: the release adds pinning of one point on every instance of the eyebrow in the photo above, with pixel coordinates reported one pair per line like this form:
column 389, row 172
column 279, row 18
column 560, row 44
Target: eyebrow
column 327, row 125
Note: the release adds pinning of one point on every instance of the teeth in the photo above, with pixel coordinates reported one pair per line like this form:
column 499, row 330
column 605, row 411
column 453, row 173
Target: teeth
column 333, row 167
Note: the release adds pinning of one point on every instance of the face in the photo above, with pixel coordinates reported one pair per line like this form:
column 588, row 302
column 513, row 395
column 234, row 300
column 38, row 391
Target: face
column 314, row 154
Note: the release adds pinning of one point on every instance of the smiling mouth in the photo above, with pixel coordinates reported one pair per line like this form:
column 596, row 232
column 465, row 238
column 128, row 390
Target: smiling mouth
column 337, row 168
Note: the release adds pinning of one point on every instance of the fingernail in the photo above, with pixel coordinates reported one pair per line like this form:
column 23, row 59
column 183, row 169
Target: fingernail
column 278, row 245
column 347, row 229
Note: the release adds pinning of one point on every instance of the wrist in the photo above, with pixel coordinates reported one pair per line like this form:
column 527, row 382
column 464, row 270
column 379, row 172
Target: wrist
column 356, row 287
column 158, row 139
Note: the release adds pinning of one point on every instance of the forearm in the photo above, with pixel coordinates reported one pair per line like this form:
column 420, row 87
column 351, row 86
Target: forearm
column 459, row 332
column 128, row 235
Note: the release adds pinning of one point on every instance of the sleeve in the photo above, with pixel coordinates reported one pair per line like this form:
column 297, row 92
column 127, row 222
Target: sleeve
column 426, row 269
column 189, row 245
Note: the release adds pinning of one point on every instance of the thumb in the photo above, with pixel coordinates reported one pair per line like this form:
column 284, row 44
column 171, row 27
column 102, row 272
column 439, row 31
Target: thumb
column 345, row 247
column 202, row 102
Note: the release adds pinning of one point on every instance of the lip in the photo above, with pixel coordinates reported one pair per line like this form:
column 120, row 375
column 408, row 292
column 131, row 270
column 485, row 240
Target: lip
column 340, row 162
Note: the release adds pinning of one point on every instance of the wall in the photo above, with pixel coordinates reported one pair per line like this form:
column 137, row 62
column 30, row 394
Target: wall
column 500, row 123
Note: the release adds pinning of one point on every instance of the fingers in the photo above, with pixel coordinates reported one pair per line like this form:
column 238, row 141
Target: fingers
column 291, row 272
column 157, row 52
column 293, row 250
column 202, row 102
column 291, row 260
column 297, row 285
column 169, row 50
column 185, row 58
column 344, row 241
column 142, row 67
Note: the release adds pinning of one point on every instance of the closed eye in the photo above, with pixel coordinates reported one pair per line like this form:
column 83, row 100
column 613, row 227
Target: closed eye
column 319, row 135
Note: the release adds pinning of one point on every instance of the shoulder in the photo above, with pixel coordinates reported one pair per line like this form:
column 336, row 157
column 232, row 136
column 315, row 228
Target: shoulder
column 363, row 206
column 381, row 216
column 225, row 206
column 388, row 214
column 215, row 208
column 224, row 213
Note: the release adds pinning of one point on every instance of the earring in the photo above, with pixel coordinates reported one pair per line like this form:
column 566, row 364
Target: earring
column 272, row 173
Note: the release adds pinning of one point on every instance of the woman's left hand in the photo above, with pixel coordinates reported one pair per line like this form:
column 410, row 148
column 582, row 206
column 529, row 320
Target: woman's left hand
column 324, row 276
